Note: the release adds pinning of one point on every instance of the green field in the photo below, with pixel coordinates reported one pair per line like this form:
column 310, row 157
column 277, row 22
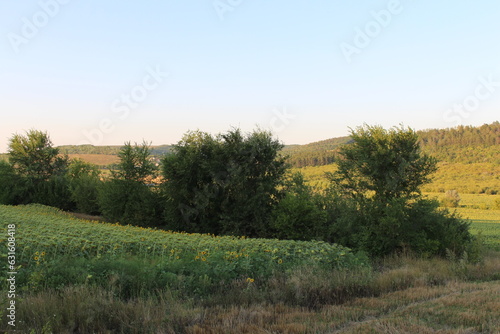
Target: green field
column 41, row 229
column 474, row 178
column 91, row 277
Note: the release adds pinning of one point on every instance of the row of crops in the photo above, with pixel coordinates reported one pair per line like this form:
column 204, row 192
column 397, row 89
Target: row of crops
column 44, row 233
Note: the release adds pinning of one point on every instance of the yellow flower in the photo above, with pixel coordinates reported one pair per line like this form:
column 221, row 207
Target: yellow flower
column 36, row 258
column 280, row 261
column 43, row 253
column 250, row 280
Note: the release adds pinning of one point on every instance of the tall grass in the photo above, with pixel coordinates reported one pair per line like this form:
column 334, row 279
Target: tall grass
column 396, row 296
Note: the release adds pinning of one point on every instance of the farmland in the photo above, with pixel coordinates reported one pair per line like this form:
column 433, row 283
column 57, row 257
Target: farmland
column 193, row 283
column 55, row 233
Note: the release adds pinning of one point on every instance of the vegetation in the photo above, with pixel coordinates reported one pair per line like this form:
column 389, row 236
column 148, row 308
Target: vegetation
column 126, row 197
column 84, row 182
column 82, row 276
column 90, row 276
column 378, row 182
column 463, row 144
column 227, row 184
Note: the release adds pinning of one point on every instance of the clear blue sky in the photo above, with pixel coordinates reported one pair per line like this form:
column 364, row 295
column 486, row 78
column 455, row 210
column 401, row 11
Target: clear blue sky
column 81, row 70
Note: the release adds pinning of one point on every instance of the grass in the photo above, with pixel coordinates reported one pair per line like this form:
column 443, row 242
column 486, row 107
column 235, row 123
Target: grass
column 480, row 177
column 126, row 293
column 142, row 289
column 97, row 159
column 404, row 295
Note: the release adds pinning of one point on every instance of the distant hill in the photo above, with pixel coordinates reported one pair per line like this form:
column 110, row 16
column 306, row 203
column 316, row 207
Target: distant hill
column 462, row 144
column 107, row 150
column 315, row 154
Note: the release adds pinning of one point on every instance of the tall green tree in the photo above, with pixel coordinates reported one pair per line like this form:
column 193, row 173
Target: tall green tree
column 84, row 182
column 126, row 198
column 39, row 171
column 387, row 164
column 34, row 156
column 227, row 184
column 378, row 183
column 135, row 164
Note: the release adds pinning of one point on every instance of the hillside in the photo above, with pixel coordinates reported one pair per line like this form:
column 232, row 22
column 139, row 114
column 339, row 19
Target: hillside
column 463, row 144
column 107, row 150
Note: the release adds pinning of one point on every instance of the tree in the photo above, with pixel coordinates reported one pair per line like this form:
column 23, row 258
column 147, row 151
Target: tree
column 38, row 170
column 126, row 198
column 299, row 215
column 135, row 164
column 387, row 163
column 84, row 182
column 226, row 184
column 34, row 156
column 378, row 181
column 12, row 186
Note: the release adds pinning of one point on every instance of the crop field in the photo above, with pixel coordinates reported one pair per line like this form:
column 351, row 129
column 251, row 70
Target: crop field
column 97, row 159
column 261, row 285
column 48, row 231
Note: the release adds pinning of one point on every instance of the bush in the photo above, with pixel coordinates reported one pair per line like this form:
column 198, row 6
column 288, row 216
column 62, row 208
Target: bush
column 52, row 192
column 451, row 199
column 13, row 188
column 83, row 182
column 130, row 202
column 299, row 215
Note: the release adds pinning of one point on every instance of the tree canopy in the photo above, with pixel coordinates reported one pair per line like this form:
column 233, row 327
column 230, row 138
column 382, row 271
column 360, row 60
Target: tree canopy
column 34, row 156
column 223, row 184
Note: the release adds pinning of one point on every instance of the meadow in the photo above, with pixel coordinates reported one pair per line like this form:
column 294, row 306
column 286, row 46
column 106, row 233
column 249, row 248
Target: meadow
column 474, row 178
column 87, row 276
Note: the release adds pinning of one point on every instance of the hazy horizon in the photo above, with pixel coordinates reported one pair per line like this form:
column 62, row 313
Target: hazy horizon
column 105, row 73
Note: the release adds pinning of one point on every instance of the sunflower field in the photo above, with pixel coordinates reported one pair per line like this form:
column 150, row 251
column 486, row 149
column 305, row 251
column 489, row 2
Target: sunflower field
column 54, row 249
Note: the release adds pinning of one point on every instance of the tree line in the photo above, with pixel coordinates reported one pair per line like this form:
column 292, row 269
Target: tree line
column 240, row 184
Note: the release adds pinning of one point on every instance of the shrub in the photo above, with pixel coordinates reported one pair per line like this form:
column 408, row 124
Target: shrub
column 129, row 202
column 299, row 215
column 451, row 199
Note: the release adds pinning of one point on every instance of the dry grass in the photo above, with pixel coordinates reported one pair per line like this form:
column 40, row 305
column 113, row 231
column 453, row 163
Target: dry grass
column 97, row 159
column 406, row 295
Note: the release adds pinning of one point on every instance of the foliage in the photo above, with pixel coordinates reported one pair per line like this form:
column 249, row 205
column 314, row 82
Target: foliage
column 299, row 214
column 34, row 156
column 451, row 199
column 315, row 154
column 223, row 185
column 378, row 182
column 84, row 183
column 463, row 144
column 12, row 185
column 129, row 202
column 134, row 164
column 126, row 198
column 385, row 162
column 36, row 173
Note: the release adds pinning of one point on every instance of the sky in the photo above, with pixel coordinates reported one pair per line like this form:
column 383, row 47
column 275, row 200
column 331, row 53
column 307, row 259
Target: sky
column 107, row 72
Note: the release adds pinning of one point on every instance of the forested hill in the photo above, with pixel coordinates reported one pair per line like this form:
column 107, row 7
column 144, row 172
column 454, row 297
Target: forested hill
column 315, row 154
column 462, row 144
column 111, row 150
